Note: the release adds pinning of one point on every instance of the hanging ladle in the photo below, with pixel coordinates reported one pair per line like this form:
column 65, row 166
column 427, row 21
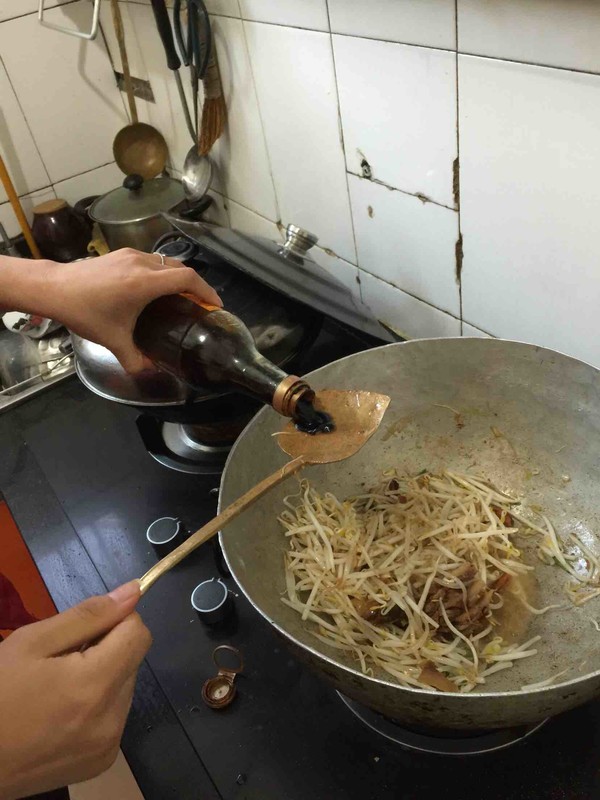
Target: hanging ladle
column 138, row 148
column 356, row 415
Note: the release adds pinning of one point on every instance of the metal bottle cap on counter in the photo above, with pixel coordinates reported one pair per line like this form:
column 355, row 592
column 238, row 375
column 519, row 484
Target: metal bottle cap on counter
column 212, row 601
column 218, row 692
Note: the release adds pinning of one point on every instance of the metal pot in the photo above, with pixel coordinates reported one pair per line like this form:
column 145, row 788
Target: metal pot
column 131, row 216
column 529, row 418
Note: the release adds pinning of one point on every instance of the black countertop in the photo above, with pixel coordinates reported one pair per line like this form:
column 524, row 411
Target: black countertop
column 83, row 491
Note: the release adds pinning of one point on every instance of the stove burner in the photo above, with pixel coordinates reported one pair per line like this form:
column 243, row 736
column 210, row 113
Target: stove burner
column 447, row 742
column 173, row 445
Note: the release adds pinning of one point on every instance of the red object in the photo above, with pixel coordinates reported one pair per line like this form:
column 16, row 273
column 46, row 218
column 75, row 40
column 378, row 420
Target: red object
column 13, row 613
column 23, row 595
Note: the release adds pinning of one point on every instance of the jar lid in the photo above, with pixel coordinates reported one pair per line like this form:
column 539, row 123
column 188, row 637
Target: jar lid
column 137, row 200
column 50, row 207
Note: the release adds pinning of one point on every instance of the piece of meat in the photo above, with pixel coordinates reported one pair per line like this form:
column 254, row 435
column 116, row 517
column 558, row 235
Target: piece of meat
column 431, row 676
column 504, row 517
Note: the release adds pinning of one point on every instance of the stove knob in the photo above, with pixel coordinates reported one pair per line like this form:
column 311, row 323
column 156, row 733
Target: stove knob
column 212, row 601
column 163, row 534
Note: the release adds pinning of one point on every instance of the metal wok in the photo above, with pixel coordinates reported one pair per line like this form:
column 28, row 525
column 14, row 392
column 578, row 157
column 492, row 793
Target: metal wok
column 529, row 419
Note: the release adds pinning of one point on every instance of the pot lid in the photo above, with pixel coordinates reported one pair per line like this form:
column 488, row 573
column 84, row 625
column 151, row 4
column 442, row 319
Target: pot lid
column 287, row 268
column 137, row 200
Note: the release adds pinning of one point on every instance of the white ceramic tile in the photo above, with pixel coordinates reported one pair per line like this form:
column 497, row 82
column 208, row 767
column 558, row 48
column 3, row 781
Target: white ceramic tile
column 347, row 274
column 424, row 22
column 529, row 203
column 471, row 330
column 227, row 8
column 404, row 314
column 16, row 144
column 219, row 211
column 560, row 33
column 137, row 64
column 398, row 110
column 96, row 181
column 310, row 14
column 10, row 9
column 246, row 221
column 67, row 90
column 242, row 171
column 295, row 81
column 406, row 242
column 7, row 217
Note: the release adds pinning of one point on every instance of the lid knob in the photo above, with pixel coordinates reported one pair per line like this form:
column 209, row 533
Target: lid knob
column 133, row 182
column 298, row 241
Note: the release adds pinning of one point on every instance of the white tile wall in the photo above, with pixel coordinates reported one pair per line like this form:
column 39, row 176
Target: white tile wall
column 28, row 201
column 530, row 154
column 306, row 14
column 10, row 9
column 406, row 242
column 295, row 82
column 404, row 121
column 526, row 137
column 66, row 89
column 423, row 22
column 102, row 179
column 403, row 313
column 243, row 168
column 19, row 150
column 561, row 33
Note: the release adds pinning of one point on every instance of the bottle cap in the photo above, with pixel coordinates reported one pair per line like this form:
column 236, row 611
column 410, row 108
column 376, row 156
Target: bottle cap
column 220, row 691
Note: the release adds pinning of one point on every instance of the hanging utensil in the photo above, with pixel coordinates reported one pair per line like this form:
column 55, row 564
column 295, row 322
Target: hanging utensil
column 138, row 148
column 91, row 34
column 18, row 209
column 163, row 25
column 197, row 169
column 214, row 110
column 357, row 416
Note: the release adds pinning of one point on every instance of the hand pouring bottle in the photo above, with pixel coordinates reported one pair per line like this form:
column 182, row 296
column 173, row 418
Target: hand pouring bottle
column 209, row 348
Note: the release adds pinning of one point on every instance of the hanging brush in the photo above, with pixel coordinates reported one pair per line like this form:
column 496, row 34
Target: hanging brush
column 214, row 110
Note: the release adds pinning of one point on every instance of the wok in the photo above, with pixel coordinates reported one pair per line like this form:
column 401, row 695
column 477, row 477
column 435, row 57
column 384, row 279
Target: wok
column 530, row 421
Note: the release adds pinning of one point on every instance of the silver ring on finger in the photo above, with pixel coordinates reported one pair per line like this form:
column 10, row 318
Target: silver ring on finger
column 162, row 259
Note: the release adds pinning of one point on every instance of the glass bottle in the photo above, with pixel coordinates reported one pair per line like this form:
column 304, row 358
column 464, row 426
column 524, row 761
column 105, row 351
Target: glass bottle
column 208, row 347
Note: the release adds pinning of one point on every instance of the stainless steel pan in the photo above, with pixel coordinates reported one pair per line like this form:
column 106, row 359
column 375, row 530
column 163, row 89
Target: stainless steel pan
column 530, row 421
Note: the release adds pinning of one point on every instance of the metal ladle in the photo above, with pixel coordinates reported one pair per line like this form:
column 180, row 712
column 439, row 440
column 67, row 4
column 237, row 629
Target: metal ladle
column 357, row 415
column 138, row 148
column 197, row 169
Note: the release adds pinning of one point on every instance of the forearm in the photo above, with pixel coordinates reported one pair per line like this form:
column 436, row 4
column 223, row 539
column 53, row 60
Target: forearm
column 27, row 285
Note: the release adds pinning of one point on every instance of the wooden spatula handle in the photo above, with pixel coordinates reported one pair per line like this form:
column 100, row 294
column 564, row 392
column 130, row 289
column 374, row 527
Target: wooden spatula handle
column 18, row 209
column 208, row 531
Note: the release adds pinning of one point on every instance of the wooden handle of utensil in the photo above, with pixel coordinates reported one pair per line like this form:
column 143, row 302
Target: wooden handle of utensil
column 208, row 531
column 120, row 33
column 18, row 209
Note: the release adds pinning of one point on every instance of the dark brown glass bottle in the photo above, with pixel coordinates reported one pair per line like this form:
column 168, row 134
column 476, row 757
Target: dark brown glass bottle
column 209, row 348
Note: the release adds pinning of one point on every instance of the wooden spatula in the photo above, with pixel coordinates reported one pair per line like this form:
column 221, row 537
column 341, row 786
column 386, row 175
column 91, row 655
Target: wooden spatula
column 356, row 415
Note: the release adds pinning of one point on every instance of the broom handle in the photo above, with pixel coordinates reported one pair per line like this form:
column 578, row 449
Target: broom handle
column 18, row 209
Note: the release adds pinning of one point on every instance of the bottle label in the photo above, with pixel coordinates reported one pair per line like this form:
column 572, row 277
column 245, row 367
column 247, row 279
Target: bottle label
column 195, row 300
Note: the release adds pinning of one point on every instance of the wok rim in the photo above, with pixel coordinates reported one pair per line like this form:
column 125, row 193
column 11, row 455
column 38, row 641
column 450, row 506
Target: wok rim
column 417, row 693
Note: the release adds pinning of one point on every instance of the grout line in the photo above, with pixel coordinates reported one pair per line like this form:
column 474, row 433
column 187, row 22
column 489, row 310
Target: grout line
column 342, row 143
column 24, row 115
column 35, row 11
column 456, row 180
column 414, row 296
column 262, row 122
column 467, row 53
column 423, row 198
